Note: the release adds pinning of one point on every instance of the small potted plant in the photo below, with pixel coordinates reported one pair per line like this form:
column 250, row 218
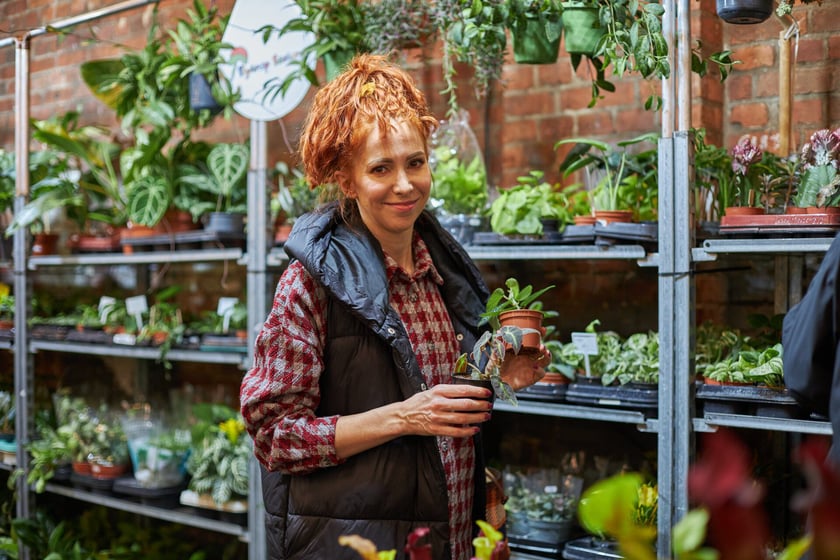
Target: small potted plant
column 519, row 305
column 7, row 310
column 483, row 366
column 218, row 461
column 531, row 207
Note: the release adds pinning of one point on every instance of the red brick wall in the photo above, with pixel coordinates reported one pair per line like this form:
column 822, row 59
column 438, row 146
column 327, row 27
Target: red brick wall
column 519, row 121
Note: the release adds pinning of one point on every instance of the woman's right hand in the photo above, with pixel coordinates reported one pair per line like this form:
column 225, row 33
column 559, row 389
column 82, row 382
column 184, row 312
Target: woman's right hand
column 446, row 410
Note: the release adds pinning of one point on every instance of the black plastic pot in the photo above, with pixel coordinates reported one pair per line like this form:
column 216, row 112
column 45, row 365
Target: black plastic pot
column 744, row 11
column 201, row 96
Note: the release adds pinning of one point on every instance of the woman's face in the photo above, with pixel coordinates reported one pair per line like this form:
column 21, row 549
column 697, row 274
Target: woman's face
column 390, row 180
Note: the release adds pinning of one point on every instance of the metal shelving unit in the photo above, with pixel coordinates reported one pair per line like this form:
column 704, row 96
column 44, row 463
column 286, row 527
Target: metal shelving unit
column 145, row 258
column 602, row 414
column 140, row 352
column 182, row 516
column 711, row 421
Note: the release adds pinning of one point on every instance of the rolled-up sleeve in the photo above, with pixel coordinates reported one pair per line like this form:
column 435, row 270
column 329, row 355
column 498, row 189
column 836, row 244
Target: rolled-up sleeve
column 280, row 393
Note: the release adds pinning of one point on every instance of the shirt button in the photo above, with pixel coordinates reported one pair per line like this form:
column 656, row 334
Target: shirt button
column 445, row 445
column 412, row 298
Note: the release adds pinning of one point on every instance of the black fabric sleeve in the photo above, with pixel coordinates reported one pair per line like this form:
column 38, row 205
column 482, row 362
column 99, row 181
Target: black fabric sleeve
column 810, row 337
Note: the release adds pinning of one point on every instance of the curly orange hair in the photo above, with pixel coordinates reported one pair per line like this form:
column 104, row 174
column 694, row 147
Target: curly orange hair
column 371, row 91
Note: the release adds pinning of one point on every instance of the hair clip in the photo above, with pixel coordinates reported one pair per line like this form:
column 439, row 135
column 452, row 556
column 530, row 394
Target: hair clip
column 367, row 89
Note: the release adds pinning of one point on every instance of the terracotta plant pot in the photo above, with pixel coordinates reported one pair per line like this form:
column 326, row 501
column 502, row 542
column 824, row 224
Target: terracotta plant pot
column 44, row 243
column 795, row 210
column 107, row 472
column 525, row 319
column 612, row 216
column 743, row 211
column 823, row 210
column 81, row 467
column 584, row 220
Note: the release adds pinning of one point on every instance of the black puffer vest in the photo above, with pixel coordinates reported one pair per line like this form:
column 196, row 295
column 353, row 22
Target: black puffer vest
column 385, row 493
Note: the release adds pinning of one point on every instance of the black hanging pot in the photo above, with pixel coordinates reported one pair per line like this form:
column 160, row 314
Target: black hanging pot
column 744, row 11
column 201, row 95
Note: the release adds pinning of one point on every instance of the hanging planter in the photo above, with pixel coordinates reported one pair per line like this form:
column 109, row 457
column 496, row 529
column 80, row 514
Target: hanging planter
column 580, row 25
column 335, row 61
column 536, row 37
column 744, row 11
column 201, row 95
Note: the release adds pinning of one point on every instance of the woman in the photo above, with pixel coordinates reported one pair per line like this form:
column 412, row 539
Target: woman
column 350, row 401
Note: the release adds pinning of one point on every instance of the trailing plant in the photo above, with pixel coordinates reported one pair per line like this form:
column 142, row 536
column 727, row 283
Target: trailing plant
column 487, row 356
column 637, row 360
column 393, row 25
column 512, row 296
column 785, row 7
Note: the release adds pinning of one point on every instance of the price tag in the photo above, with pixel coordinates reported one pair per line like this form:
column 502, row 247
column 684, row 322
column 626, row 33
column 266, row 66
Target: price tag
column 550, row 489
column 136, row 306
column 225, row 310
column 104, row 307
column 586, row 344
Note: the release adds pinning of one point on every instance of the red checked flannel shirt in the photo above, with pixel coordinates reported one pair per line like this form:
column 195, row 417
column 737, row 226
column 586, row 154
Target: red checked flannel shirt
column 289, row 360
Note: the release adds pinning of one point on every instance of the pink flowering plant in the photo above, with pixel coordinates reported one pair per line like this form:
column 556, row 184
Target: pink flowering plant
column 819, row 160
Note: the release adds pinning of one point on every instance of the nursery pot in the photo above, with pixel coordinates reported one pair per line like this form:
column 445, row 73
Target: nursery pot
column 525, row 319
column 743, row 211
column 610, row 216
column 580, row 26
column 201, row 96
column 44, row 243
column 335, row 61
column 744, row 11
column 225, row 222
column 464, row 379
column 531, row 44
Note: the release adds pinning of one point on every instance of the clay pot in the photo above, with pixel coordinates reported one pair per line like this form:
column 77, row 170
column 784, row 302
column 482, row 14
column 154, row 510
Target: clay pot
column 44, row 243
column 525, row 319
column 81, row 467
column 823, row 210
column 107, row 472
column 584, row 220
column 612, row 216
column 743, row 211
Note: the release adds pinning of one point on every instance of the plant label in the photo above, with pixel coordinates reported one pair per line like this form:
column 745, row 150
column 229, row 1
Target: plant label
column 225, row 310
column 587, row 344
column 104, row 307
column 137, row 305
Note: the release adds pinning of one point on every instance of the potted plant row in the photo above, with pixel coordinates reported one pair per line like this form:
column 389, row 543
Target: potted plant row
column 758, row 191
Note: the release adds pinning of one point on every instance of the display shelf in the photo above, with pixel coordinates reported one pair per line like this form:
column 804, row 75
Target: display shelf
column 151, row 257
column 556, row 252
column 145, row 352
column 713, row 247
column 711, row 421
column 577, row 411
column 183, row 516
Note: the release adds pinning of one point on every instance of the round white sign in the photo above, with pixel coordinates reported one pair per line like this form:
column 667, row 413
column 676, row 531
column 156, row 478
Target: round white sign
column 255, row 67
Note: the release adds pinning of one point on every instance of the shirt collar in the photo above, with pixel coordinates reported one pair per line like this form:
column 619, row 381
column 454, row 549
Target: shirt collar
column 423, row 264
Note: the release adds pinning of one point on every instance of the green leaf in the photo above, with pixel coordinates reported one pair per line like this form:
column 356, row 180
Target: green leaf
column 690, row 532
column 148, row 199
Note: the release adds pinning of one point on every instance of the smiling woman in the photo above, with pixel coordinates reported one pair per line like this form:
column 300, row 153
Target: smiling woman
column 346, row 412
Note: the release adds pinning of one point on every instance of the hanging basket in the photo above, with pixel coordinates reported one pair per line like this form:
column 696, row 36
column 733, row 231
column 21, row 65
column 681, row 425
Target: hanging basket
column 532, row 45
column 336, row 61
column 580, row 26
column 744, row 11
column 201, row 95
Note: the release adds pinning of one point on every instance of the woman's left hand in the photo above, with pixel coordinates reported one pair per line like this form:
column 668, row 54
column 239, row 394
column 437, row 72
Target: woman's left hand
column 526, row 368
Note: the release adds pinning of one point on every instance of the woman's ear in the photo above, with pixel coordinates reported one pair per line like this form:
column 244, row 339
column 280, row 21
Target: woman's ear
column 345, row 184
